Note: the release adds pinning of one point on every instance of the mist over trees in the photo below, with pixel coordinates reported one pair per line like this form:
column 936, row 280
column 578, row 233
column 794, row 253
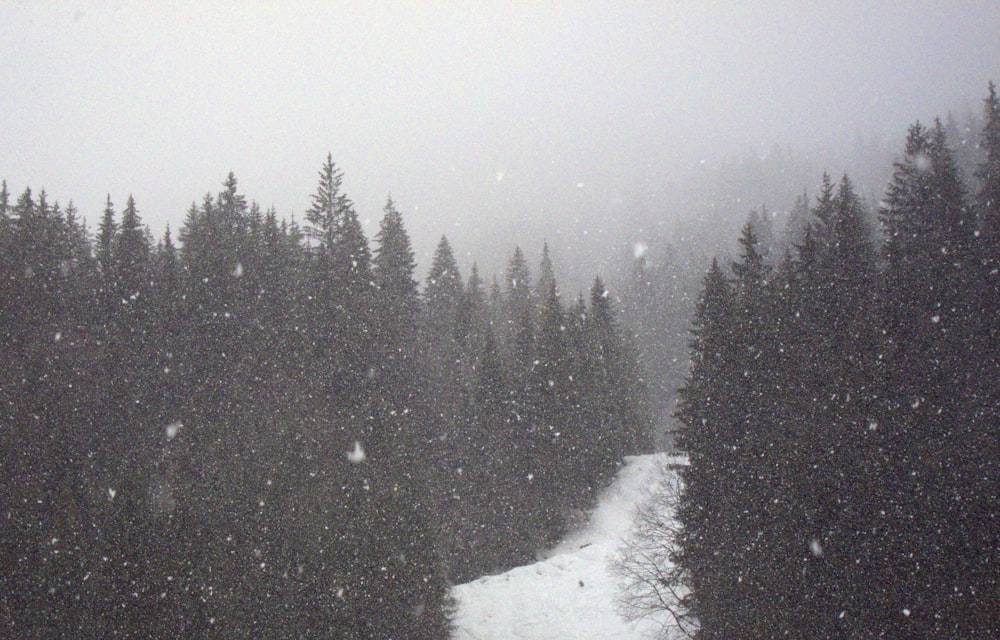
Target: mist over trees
column 271, row 429
column 254, row 426
column 840, row 418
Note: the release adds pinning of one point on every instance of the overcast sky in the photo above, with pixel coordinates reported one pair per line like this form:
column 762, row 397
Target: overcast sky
column 474, row 115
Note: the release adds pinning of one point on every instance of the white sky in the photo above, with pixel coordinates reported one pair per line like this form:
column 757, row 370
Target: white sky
column 481, row 118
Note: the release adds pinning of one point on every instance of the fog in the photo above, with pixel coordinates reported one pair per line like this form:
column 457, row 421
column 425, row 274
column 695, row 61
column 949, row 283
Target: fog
column 496, row 124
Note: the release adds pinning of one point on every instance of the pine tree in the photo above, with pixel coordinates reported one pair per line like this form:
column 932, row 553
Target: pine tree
column 396, row 307
column 107, row 230
column 710, row 435
column 443, row 382
column 520, row 309
column 747, row 511
column 981, row 501
column 472, row 314
column 618, row 394
column 799, row 220
column 132, row 257
column 553, row 446
column 329, row 207
column 929, row 391
column 988, row 173
column 988, row 241
column 546, row 276
column 394, row 265
column 443, row 293
column 751, row 271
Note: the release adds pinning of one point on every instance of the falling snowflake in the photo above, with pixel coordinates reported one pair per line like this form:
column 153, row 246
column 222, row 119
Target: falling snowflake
column 172, row 429
column 357, row 456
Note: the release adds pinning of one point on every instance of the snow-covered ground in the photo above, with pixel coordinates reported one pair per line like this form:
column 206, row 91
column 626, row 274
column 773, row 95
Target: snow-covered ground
column 570, row 594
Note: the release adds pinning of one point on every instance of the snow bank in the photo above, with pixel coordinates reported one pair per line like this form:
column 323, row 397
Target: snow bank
column 570, row 594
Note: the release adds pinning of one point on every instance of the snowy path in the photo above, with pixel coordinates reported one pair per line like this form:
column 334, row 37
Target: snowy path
column 569, row 595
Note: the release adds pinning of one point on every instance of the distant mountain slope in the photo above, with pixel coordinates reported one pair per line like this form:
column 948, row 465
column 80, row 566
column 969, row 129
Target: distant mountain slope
column 570, row 594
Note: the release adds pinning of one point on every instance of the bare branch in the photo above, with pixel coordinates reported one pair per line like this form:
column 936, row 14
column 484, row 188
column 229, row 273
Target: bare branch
column 651, row 586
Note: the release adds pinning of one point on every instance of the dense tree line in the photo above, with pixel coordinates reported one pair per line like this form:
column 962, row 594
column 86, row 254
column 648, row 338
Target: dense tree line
column 271, row 430
column 841, row 418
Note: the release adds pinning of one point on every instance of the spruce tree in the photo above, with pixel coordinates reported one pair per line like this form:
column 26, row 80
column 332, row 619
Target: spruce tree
column 988, row 197
column 396, row 307
column 520, row 309
column 132, row 257
column 393, row 266
column 546, row 276
column 710, row 435
column 443, row 294
column 329, row 207
column 443, row 383
column 928, row 375
column 107, row 230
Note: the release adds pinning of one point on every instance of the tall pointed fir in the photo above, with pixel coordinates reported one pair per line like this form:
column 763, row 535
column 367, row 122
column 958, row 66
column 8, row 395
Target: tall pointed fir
column 132, row 257
column 443, row 293
column 472, row 316
column 983, row 509
column 341, row 279
column 988, row 245
column 546, row 276
column 397, row 304
column 550, row 381
column 745, row 551
column 393, row 267
column 711, row 435
column 520, row 308
column 329, row 205
column 930, row 390
column 442, row 302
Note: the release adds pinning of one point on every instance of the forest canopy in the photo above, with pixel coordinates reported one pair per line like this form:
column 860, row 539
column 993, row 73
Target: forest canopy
column 270, row 429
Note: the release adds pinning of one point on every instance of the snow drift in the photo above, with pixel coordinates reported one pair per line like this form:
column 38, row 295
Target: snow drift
column 569, row 594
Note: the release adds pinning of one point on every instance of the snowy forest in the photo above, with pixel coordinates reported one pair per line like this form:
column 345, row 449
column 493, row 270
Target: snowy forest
column 257, row 426
column 275, row 431
column 840, row 417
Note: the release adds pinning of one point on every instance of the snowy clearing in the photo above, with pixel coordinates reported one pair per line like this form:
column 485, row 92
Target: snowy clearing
column 569, row 594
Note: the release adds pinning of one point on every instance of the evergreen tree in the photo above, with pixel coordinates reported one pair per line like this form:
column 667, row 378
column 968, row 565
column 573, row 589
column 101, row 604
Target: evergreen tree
column 472, row 314
column 799, row 219
column 710, row 434
column 557, row 463
column 546, row 276
column 328, row 212
column 982, row 504
column 396, row 307
column 443, row 293
column 988, row 173
column 132, row 256
column 107, row 230
column 520, row 307
column 444, row 382
column 394, row 265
